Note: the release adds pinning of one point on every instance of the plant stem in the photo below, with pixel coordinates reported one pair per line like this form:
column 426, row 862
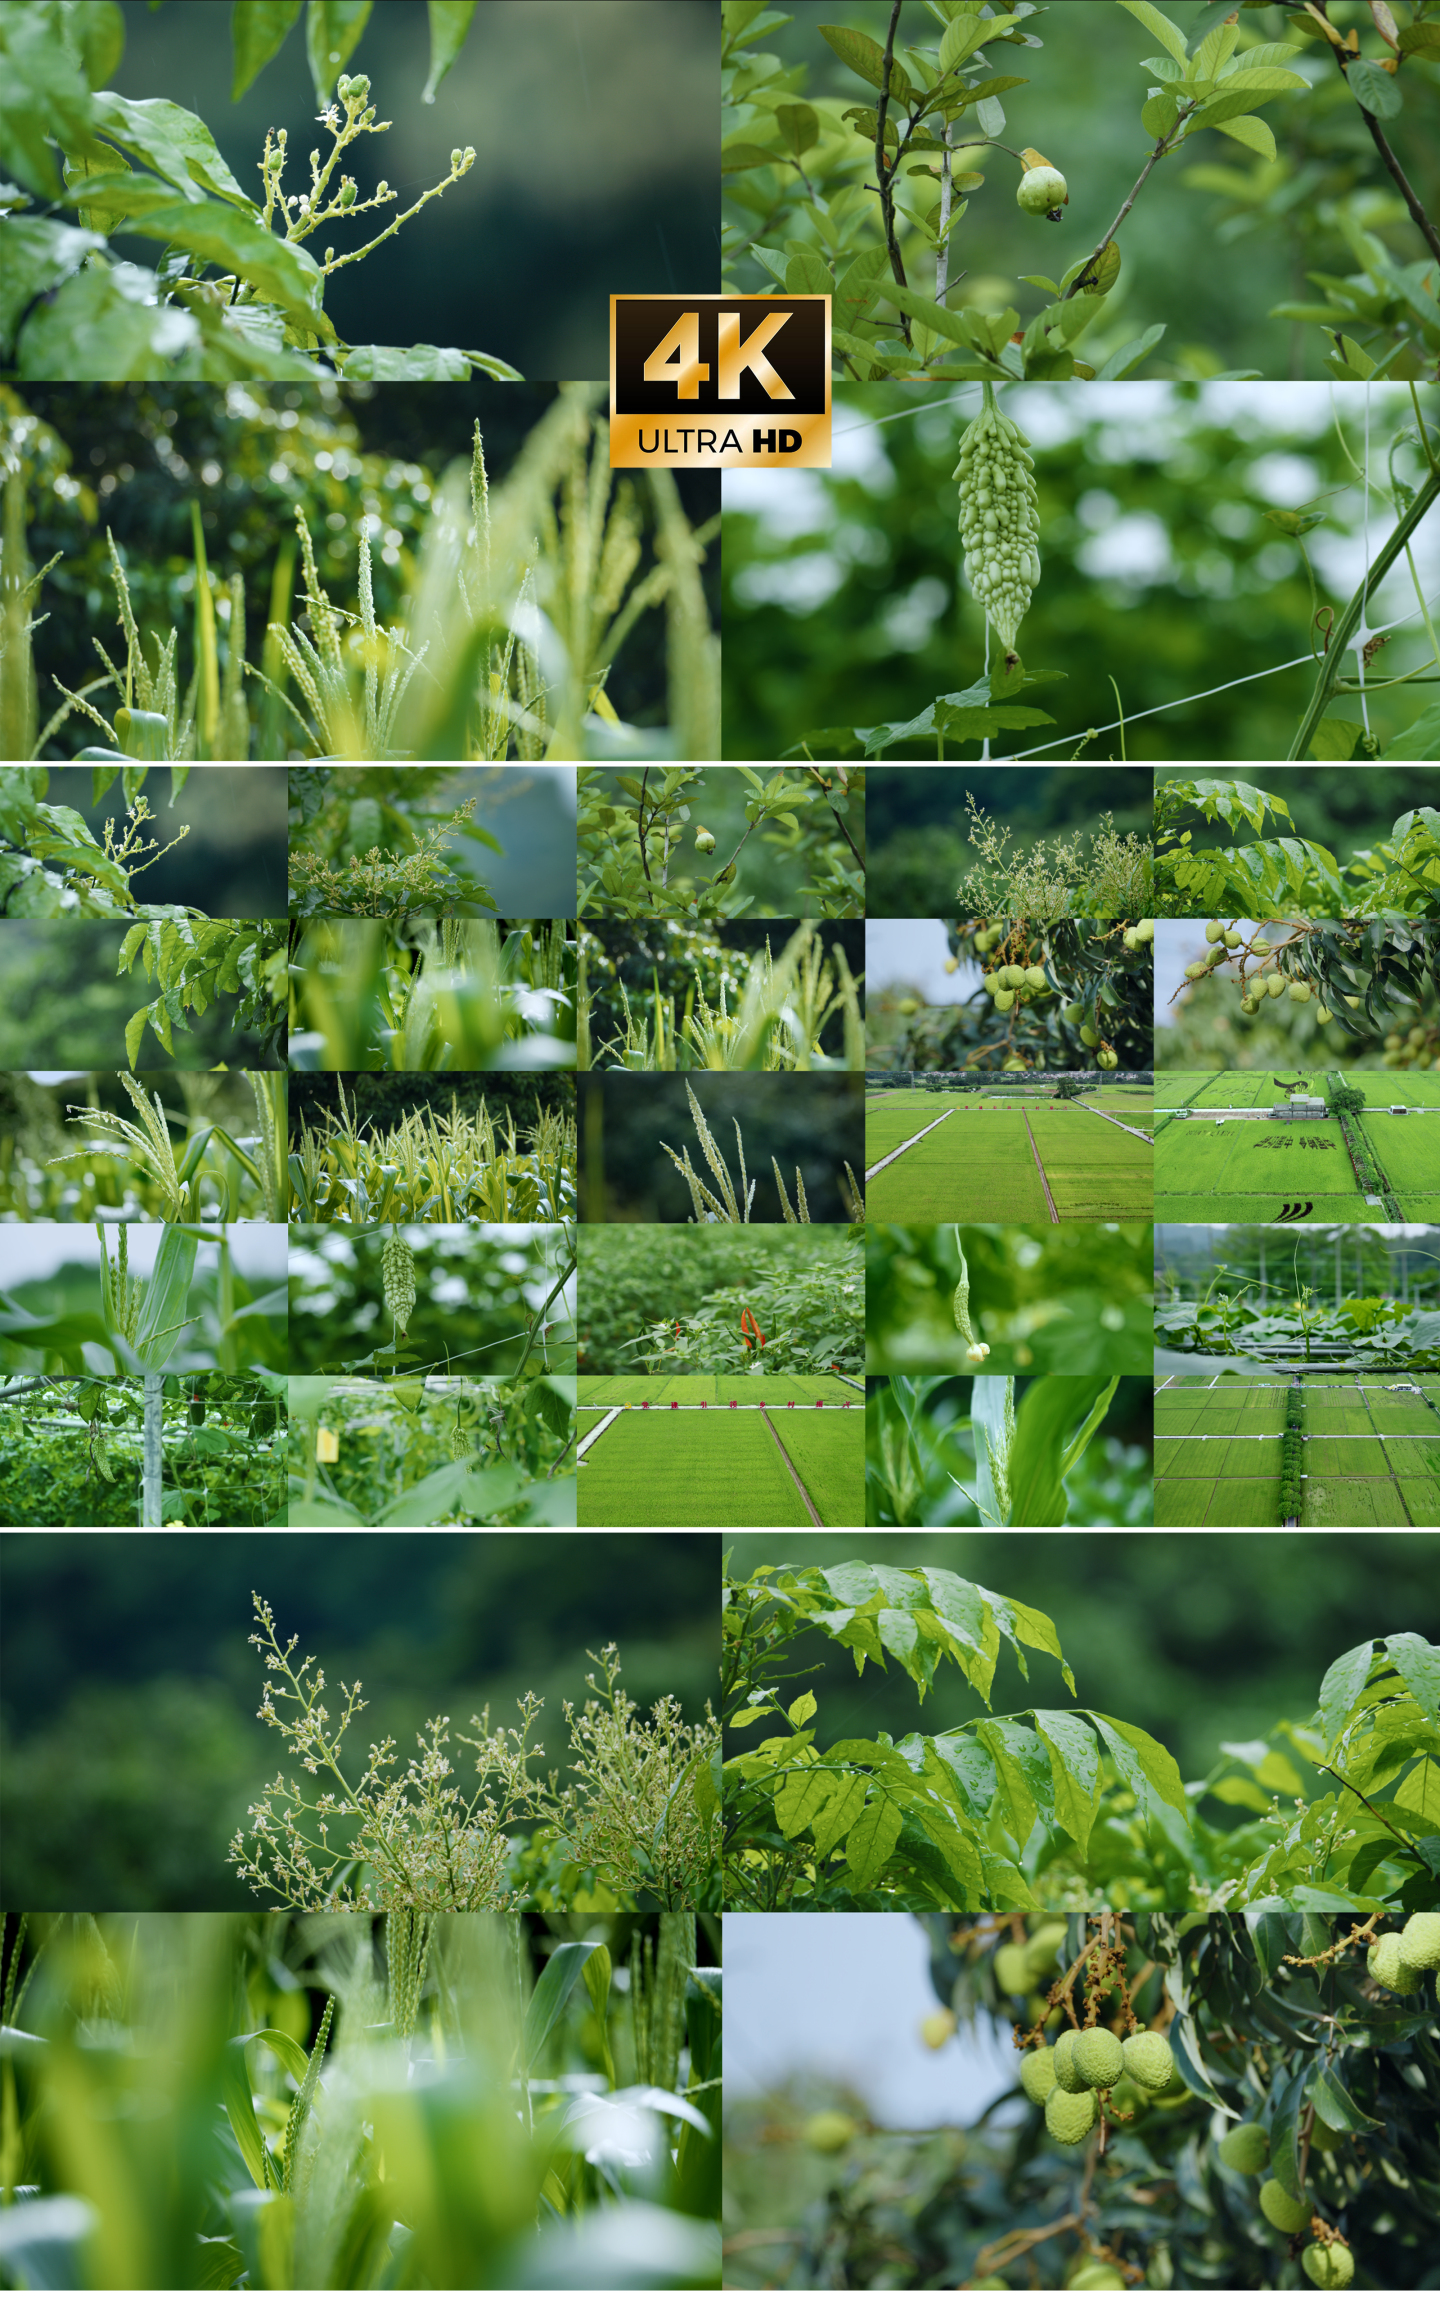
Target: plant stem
column 882, row 173
column 1331, row 666
column 1381, row 141
column 1165, row 146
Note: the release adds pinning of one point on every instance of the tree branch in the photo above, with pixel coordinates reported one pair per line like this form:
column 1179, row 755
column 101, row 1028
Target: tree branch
column 1343, row 58
column 882, row 173
column 1165, row 146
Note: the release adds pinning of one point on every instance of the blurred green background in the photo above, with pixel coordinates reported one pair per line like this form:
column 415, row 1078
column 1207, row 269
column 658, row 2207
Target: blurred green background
column 1072, row 1300
column 916, row 823
column 815, row 1122
column 131, row 1743
column 1199, row 1638
column 1215, row 238
column 62, row 1004
column 595, row 132
column 845, row 603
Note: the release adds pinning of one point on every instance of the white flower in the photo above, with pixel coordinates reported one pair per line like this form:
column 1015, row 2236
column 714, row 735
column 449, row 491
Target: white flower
column 977, row 1353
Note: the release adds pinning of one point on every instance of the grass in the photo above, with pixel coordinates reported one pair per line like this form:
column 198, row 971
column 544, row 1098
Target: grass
column 450, row 995
column 1249, row 1170
column 698, row 1472
column 1408, row 1149
column 830, row 1457
column 779, row 1014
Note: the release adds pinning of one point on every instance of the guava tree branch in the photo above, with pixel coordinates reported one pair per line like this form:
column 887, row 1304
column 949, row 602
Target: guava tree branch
column 1343, row 57
column 1332, row 664
column 1165, row 146
column 883, row 174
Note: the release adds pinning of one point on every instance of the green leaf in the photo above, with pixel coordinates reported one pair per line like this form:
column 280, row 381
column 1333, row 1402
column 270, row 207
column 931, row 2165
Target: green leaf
column 1137, row 1754
column 808, row 274
column 1158, row 115
column 1376, row 92
column 449, row 23
column 867, row 57
column 1418, row 1663
column 92, row 333
column 240, row 2108
column 1336, row 739
column 332, row 28
column 1101, row 272
column 562, row 1970
column 163, row 1311
column 804, row 1793
column 1254, row 134
column 1420, row 741
column 1074, row 1772
column 1334, row 2106
column 1341, row 1687
column 841, row 1810
column 1169, row 35
column 964, row 34
column 799, row 126
column 172, row 141
column 42, row 94
column 257, row 30
column 1130, row 355
column 401, row 363
column 38, row 255
column 739, row 155
column 872, row 1840
column 1420, row 39
column 279, row 271
column 292, row 2056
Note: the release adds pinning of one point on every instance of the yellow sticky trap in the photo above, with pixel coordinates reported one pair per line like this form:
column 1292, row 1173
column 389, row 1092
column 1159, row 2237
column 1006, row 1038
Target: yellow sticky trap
column 327, row 1445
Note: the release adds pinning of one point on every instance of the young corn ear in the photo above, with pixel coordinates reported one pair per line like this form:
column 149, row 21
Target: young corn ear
column 999, row 526
column 976, row 1352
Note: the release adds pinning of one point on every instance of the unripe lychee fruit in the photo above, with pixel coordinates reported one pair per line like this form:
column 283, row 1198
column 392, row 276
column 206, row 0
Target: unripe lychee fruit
column 1351, row 1001
column 1245, row 2147
column 1041, row 191
column 1390, row 1967
column 1130, row 939
column 1073, row 1013
column 1089, row 1037
column 1213, row 930
column 1149, row 2060
column 1097, row 2276
column 830, row 2131
column 991, row 982
column 1331, row 2266
column 1098, row 2057
column 1037, row 2075
column 1260, row 946
column 1067, row 2076
column 1035, row 977
column 909, row 1006
column 1232, row 939
column 1145, row 928
column 1043, row 1947
column 1323, row 2135
column 1322, row 1014
column 1282, row 2210
column 1420, row 1941
column 952, row 966
column 1274, row 985
column 1004, row 999
column 1012, row 1970
column 1197, row 971
column 1012, row 977
column 1069, row 2116
column 1107, row 1059
column 1300, row 993
column 938, row 2027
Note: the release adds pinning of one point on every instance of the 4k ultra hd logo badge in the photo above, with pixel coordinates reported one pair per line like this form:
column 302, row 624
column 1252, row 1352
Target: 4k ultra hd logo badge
column 717, row 382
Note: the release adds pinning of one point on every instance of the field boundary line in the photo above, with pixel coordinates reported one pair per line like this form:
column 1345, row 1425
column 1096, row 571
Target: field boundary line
column 1138, row 1132
column 891, row 1156
column 1044, row 1183
column 815, row 1517
column 850, row 1381
column 598, row 1431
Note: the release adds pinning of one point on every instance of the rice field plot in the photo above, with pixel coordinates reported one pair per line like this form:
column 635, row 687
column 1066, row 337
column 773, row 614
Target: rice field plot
column 1418, row 1089
column 1360, row 1501
column 717, row 1390
column 1250, row 1171
column 688, row 1470
column 978, row 1167
column 1408, row 1150
column 829, row 1454
column 1223, row 1466
column 1096, row 1172
column 886, row 1129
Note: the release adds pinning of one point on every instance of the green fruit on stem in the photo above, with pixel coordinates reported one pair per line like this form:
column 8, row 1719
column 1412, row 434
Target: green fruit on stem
column 1149, row 2060
column 1098, row 2057
column 1089, row 1037
column 1197, row 971
column 830, row 2131
column 909, row 1006
column 1067, row 2076
column 1004, row 1000
column 1389, row 1966
column 1070, row 2116
column 1037, row 2075
column 1213, row 930
column 1420, row 1941
column 1106, row 1059
column 1097, row 2276
column 1282, row 2210
column 1043, row 1947
column 1331, row 2266
column 1012, row 1970
column 1035, row 977
column 1245, row 2148
column 1322, row 1014
column 1300, row 993
column 1232, row 939
column 1041, row 191
column 1260, row 946
column 1274, row 985
column 938, row 2027
column 1073, row 1014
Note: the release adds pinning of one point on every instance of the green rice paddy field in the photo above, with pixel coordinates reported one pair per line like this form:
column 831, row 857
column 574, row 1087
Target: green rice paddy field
column 1370, row 1456
column 723, row 1470
column 1251, row 1171
column 717, row 1389
column 983, row 1163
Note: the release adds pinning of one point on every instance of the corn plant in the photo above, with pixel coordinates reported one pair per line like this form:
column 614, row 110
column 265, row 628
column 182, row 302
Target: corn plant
column 453, row 994
column 337, row 2102
column 783, row 1006
column 642, row 1809
column 216, row 1175
column 524, row 595
column 431, row 1168
column 1018, row 1461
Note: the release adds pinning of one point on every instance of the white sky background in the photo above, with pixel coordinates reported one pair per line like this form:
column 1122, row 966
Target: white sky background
column 259, row 1250
column 844, row 1996
column 1141, row 422
column 912, row 952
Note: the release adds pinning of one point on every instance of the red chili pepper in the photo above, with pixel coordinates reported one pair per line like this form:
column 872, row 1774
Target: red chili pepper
column 750, row 1333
